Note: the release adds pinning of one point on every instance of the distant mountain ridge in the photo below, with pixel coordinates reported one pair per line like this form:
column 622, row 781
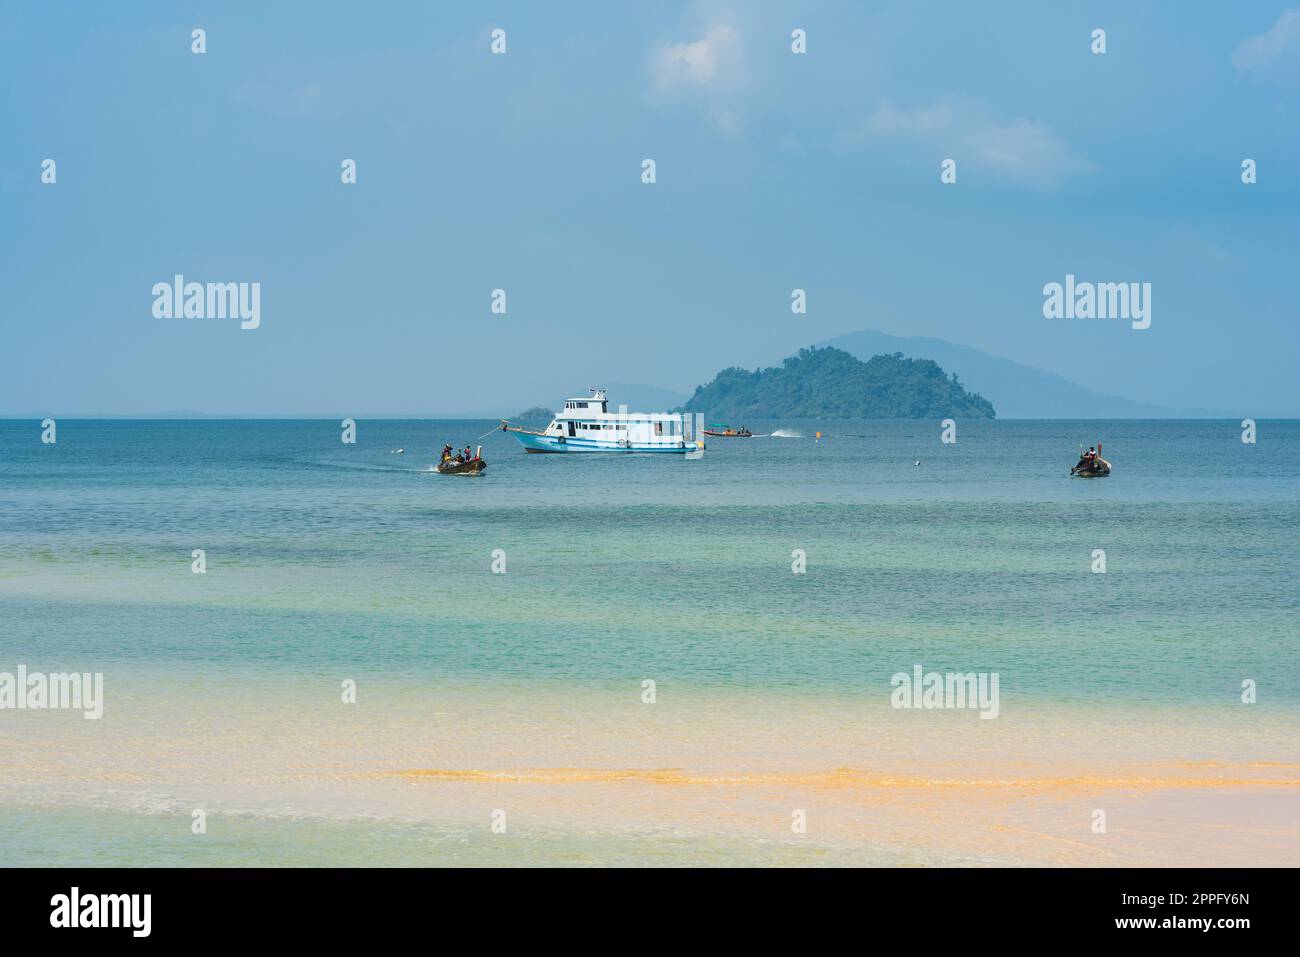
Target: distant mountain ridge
column 830, row 383
column 1017, row 391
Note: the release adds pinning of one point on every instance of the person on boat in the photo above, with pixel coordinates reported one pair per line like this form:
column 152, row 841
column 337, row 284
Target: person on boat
column 469, row 456
column 446, row 452
column 1089, row 461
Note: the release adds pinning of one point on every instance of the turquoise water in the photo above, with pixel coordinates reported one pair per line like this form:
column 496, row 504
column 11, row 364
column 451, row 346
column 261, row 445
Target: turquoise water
column 328, row 560
column 978, row 558
column 153, row 840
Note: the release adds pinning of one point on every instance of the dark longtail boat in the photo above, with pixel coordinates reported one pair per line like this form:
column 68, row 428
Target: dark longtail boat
column 1094, row 467
column 454, row 466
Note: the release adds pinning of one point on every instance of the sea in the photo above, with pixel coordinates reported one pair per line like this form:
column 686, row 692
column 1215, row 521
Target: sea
column 324, row 653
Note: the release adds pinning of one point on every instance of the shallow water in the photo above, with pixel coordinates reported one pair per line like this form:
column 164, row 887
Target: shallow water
column 328, row 562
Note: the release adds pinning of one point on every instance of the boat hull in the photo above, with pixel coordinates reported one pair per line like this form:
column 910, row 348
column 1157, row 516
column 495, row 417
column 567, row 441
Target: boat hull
column 533, row 442
column 476, row 467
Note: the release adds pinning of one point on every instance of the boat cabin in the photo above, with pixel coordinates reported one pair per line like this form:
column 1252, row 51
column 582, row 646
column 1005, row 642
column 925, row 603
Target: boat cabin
column 587, row 405
column 589, row 417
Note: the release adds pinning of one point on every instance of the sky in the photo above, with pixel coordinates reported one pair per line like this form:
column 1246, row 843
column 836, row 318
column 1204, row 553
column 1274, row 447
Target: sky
column 523, row 171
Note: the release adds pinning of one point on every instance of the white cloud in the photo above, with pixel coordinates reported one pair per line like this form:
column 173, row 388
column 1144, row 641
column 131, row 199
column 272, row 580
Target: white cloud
column 1272, row 51
column 714, row 60
column 970, row 133
column 709, row 71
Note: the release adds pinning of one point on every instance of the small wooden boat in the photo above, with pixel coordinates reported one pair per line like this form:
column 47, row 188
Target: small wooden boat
column 1094, row 467
column 455, row 466
column 1098, row 470
column 730, row 433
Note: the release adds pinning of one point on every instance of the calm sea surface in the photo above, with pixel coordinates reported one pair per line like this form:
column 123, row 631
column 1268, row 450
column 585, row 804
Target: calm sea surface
column 329, row 561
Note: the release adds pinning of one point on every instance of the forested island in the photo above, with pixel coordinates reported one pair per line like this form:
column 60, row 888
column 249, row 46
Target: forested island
column 829, row 383
column 538, row 413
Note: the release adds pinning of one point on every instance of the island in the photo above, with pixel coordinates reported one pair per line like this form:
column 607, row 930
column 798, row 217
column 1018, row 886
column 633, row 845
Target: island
column 828, row 383
column 538, row 413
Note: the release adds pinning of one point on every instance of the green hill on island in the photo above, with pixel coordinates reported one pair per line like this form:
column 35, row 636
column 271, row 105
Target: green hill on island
column 538, row 413
column 831, row 384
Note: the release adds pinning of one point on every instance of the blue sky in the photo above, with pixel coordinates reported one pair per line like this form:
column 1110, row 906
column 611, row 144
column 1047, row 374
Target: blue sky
column 522, row 171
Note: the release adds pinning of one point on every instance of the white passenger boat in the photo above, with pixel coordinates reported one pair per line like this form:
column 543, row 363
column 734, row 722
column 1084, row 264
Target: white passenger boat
column 586, row 425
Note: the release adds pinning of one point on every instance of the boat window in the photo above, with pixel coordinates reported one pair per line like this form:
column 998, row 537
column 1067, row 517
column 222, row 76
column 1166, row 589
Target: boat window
column 659, row 428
